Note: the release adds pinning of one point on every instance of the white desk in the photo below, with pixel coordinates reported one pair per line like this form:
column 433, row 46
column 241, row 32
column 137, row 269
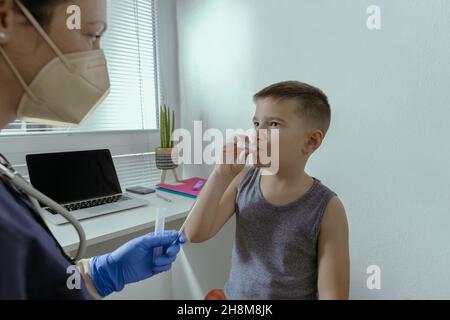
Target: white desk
column 115, row 225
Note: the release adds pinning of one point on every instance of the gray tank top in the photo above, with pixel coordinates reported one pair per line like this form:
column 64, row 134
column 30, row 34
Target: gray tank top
column 275, row 249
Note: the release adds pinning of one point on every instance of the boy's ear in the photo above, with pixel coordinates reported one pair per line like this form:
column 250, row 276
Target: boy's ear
column 6, row 20
column 312, row 142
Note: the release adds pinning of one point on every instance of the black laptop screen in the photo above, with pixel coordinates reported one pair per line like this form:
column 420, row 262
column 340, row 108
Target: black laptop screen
column 74, row 176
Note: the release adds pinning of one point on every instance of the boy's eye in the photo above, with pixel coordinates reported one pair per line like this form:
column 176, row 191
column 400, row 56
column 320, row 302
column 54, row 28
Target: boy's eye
column 274, row 124
column 255, row 124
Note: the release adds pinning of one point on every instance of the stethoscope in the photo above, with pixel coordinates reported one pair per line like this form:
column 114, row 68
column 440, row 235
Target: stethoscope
column 8, row 173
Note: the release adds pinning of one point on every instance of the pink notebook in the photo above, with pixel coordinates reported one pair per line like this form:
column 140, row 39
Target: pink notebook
column 189, row 187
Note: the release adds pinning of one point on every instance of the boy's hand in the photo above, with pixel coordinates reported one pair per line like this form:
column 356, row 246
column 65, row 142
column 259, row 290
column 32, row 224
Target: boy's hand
column 234, row 155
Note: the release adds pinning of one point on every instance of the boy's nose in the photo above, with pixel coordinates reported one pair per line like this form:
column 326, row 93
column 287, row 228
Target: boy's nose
column 262, row 133
column 262, row 126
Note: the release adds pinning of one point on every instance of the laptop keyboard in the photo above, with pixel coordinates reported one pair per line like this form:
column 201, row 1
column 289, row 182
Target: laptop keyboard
column 91, row 203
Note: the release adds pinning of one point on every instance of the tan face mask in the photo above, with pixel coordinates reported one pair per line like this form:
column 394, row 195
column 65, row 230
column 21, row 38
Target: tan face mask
column 67, row 90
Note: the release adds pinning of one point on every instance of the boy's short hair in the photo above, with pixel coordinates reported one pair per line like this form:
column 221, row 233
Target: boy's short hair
column 313, row 103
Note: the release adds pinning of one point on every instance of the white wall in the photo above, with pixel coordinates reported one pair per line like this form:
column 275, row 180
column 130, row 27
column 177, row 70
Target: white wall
column 387, row 151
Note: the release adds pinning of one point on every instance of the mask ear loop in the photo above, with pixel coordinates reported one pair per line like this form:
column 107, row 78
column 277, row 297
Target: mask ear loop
column 44, row 35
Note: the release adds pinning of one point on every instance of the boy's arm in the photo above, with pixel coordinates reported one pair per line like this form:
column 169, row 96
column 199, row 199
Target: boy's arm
column 216, row 202
column 333, row 253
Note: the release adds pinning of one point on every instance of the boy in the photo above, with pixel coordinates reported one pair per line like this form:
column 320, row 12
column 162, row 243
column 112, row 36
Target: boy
column 291, row 231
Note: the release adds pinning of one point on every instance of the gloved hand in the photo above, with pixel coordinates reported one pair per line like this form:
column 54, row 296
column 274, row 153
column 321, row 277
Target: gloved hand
column 134, row 261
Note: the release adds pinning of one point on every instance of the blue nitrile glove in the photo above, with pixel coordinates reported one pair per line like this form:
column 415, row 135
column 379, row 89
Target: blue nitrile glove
column 134, row 261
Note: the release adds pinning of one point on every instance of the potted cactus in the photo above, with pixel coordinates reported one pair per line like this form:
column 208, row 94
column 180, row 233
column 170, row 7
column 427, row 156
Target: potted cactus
column 166, row 155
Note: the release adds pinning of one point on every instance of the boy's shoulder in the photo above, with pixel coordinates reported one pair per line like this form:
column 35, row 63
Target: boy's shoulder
column 324, row 187
column 334, row 208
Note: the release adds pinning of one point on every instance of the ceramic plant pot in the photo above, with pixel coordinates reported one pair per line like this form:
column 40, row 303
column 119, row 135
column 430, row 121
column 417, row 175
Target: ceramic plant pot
column 166, row 158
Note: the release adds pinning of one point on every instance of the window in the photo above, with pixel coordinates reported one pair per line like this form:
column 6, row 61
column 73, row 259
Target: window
column 130, row 46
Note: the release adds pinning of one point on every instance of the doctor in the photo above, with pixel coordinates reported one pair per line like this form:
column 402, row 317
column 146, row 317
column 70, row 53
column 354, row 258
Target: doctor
column 52, row 75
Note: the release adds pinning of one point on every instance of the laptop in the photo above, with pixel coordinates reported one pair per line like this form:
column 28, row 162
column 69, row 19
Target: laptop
column 84, row 182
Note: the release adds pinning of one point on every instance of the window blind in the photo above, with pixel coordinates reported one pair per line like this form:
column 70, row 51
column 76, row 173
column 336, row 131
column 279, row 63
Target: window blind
column 130, row 46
